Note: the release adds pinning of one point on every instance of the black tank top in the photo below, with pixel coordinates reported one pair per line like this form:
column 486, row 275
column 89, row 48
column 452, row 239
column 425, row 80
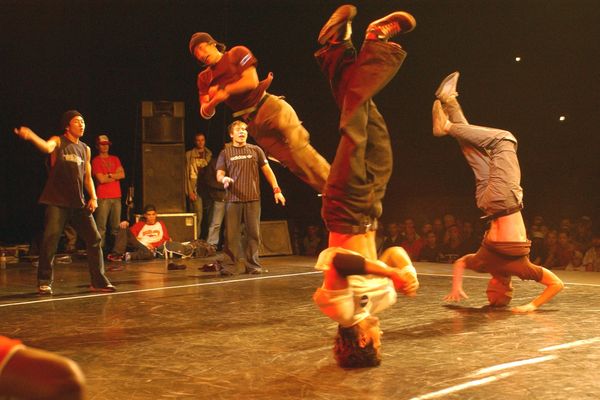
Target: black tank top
column 64, row 186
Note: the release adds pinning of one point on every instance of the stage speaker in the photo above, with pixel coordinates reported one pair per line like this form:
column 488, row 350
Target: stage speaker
column 182, row 227
column 163, row 121
column 163, row 176
column 274, row 239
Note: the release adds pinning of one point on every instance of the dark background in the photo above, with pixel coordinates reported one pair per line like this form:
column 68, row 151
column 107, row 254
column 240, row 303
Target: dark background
column 104, row 57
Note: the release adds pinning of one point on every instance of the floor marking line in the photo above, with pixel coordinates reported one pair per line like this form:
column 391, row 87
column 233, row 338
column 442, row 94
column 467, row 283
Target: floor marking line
column 512, row 364
column 463, row 386
column 571, row 344
column 87, row 296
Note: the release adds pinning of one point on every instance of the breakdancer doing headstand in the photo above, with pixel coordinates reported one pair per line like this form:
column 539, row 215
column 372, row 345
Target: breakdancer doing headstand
column 356, row 285
column 492, row 155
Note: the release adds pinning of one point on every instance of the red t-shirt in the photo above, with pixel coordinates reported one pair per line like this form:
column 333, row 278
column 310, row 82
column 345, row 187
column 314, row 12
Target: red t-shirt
column 107, row 165
column 229, row 69
column 154, row 235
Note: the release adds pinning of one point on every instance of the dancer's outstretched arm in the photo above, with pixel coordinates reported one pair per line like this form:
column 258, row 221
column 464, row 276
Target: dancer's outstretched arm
column 553, row 285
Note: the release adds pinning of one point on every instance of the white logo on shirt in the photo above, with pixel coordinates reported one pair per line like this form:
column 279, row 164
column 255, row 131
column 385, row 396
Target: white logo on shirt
column 73, row 158
column 241, row 157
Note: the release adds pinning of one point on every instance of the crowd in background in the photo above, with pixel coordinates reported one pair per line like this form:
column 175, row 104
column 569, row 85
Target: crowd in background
column 568, row 244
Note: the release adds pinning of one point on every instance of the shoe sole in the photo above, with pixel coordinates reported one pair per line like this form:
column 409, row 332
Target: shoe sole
column 447, row 79
column 180, row 249
column 342, row 15
column 406, row 21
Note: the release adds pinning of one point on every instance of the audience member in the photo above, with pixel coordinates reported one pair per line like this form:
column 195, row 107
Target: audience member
column 393, row 237
column 412, row 242
column 582, row 236
column 438, row 229
column 547, row 256
column 591, row 260
column 431, row 250
column 453, row 248
column 196, row 160
column 108, row 171
column 142, row 239
column 313, row 242
column 564, row 251
column 471, row 240
column 576, row 262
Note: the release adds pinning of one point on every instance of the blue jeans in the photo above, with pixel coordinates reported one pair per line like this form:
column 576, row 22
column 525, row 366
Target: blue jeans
column 197, row 208
column 108, row 211
column 352, row 201
column 81, row 219
column 214, row 230
column 247, row 212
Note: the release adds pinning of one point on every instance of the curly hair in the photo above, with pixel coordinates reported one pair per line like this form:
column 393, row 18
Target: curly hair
column 349, row 354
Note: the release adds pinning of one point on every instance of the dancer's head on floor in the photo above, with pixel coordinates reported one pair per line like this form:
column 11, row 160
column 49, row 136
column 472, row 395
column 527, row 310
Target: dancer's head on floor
column 499, row 291
column 358, row 346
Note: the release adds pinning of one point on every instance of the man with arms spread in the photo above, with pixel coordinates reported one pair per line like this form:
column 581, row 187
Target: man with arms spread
column 356, row 285
column 70, row 172
column 237, row 169
column 492, row 155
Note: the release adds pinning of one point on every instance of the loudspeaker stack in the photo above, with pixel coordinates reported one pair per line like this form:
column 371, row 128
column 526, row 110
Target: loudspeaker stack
column 163, row 155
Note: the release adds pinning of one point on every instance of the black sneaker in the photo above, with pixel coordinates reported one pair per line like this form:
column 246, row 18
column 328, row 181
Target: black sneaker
column 173, row 266
column 391, row 25
column 338, row 27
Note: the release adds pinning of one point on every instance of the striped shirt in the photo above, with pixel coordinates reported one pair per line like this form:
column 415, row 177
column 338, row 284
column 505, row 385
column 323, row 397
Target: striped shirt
column 241, row 164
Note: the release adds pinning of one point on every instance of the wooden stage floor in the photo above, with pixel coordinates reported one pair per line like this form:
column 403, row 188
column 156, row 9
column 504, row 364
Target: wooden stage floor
column 194, row 335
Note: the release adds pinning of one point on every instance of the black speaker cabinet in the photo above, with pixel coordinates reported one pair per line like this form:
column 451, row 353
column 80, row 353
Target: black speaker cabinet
column 163, row 121
column 182, row 227
column 163, row 176
column 274, row 239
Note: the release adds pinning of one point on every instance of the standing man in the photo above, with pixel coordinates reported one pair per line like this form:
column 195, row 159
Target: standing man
column 70, row 173
column 196, row 161
column 357, row 285
column 504, row 252
column 108, row 171
column 217, row 196
column 231, row 78
column 237, row 169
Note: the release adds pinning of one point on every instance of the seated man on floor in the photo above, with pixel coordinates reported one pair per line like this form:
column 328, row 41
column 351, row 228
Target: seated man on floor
column 504, row 252
column 143, row 240
column 356, row 284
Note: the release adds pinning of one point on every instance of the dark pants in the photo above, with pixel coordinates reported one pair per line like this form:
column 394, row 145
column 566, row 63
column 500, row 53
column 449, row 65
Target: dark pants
column 248, row 213
column 126, row 241
column 362, row 167
column 83, row 222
